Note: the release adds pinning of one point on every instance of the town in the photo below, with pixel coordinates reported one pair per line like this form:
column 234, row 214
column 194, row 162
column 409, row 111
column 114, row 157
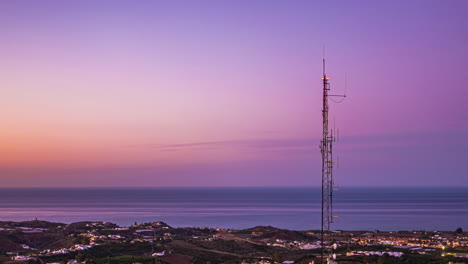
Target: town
column 157, row 242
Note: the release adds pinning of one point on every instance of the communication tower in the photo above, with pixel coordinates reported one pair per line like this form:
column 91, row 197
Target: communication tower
column 326, row 148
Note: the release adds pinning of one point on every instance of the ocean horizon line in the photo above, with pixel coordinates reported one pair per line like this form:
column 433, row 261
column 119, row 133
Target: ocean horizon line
column 231, row 187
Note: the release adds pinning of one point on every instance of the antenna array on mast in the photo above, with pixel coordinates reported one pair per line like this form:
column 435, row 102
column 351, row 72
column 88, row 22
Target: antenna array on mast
column 326, row 148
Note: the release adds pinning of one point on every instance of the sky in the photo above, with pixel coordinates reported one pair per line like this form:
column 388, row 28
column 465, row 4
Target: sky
column 228, row 93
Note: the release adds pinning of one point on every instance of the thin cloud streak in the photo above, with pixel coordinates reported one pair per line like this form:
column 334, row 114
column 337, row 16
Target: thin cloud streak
column 394, row 140
column 248, row 143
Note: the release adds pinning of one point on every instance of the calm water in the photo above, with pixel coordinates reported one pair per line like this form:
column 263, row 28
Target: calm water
column 292, row 208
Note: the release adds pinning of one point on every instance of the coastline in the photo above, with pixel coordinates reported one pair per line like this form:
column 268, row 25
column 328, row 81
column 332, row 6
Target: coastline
column 241, row 208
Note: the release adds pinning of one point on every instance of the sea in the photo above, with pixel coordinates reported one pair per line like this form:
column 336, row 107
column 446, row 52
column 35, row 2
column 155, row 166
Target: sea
column 391, row 209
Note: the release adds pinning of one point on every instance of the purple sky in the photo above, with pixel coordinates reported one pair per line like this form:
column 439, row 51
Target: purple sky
column 228, row 93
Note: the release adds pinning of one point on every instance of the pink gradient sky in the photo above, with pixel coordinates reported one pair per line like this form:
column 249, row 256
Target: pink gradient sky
column 218, row 93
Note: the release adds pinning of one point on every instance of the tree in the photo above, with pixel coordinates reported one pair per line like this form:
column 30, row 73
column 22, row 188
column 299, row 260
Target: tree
column 85, row 240
column 79, row 257
column 277, row 257
column 459, row 230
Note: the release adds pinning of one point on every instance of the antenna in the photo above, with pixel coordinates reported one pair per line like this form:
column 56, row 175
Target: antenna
column 326, row 148
column 323, row 58
column 324, row 67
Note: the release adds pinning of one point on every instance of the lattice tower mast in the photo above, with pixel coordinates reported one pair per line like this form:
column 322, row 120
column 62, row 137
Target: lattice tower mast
column 326, row 147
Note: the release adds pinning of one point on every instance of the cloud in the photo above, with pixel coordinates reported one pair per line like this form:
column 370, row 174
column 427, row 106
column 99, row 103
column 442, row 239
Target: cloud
column 375, row 141
column 262, row 144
